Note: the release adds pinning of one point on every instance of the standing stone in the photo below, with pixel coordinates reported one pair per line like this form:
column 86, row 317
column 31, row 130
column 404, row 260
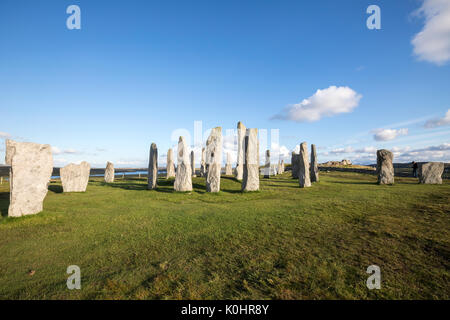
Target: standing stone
column 295, row 158
column 109, row 172
column 267, row 165
column 303, row 172
column 240, row 153
column 214, row 160
column 385, row 168
column 183, row 178
column 153, row 167
column 279, row 169
column 75, row 177
column 193, row 163
column 228, row 167
column 314, row 165
column 250, row 181
column 203, row 163
column 170, row 166
column 31, row 170
column 431, row 172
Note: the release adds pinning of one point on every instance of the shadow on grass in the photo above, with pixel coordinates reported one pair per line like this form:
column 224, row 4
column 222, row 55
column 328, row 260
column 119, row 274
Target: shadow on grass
column 55, row 188
column 4, row 203
column 355, row 182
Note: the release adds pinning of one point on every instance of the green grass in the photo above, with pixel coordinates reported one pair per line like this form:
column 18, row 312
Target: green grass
column 282, row 242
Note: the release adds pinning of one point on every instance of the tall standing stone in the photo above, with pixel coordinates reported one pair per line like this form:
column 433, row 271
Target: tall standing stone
column 75, row 177
column 228, row 167
column 267, row 165
column 385, row 167
column 314, row 164
column 170, row 165
column 303, row 172
column 295, row 158
column 153, row 167
column 240, row 152
column 109, row 172
column 203, row 163
column 193, row 163
column 250, row 181
column 214, row 160
column 431, row 172
column 183, row 178
column 282, row 166
column 279, row 170
column 31, row 170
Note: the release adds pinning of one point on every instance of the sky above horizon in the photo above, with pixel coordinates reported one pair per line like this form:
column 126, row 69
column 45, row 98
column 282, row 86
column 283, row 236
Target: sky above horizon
column 139, row 72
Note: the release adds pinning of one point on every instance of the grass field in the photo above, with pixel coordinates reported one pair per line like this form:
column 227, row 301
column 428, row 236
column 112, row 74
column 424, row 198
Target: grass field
column 282, row 242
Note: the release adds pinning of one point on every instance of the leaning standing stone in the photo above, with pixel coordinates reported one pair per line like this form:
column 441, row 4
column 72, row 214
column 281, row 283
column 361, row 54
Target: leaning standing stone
column 295, row 158
column 240, row 153
column 214, row 160
column 31, row 170
column 314, row 165
column 385, row 167
column 183, row 178
column 109, row 172
column 75, row 177
column 153, row 167
column 228, row 167
column 303, row 172
column 170, row 166
column 431, row 172
column 250, row 181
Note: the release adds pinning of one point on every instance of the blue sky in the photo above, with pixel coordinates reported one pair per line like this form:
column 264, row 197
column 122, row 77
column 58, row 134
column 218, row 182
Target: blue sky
column 137, row 71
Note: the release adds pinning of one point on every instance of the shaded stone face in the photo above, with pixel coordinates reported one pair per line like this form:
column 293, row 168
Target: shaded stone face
column 250, row 180
column 109, row 172
column 303, row 170
column 431, row 172
column 203, row 163
column 240, row 154
column 153, row 167
column 314, row 164
column 295, row 159
column 228, row 167
column 385, row 167
column 75, row 177
column 183, row 178
column 31, row 170
column 193, row 163
column 214, row 160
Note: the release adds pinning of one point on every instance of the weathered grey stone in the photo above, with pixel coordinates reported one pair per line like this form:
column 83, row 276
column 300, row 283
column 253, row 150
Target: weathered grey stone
column 109, row 172
column 282, row 166
column 214, row 160
column 314, row 164
column 193, row 163
column 303, row 170
column 295, row 159
column 228, row 167
column 203, row 163
column 240, row 153
column 279, row 170
column 170, row 166
column 250, row 181
column 385, row 167
column 153, row 167
column 431, row 172
column 183, row 178
column 75, row 177
column 31, row 169
column 266, row 169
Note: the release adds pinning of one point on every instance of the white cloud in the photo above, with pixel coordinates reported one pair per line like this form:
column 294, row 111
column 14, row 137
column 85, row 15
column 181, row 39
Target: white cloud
column 56, row 150
column 324, row 103
column 445, row 121
column 432, row 43
column 389, row 134
column 4, row 135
